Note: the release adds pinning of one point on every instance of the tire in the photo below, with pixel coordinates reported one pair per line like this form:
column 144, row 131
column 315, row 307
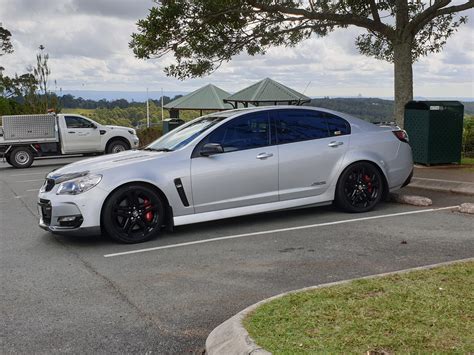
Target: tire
column 117, row 146
column 360, row 188
column 8, row 160
column 133, row 214
column 21, row 157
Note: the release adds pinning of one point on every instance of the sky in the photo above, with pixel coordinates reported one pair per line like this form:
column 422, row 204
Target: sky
column 87, row 41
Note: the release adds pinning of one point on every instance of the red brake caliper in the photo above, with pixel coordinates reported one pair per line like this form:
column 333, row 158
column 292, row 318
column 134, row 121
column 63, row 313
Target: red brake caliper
column 368, row 181
column 148, row 215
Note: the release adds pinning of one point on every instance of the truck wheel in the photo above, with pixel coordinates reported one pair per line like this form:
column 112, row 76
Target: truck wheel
column 21, row 157
column 117, row 146
column 7, row 159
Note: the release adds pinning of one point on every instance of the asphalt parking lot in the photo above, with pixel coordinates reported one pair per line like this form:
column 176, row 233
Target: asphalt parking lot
column 89, row 294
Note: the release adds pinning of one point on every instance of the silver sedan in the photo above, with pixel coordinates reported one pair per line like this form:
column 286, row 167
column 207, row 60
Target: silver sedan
column 228, row 164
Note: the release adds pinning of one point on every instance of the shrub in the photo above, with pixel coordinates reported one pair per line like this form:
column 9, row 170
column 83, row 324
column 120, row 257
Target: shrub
column 468, row 137
column 148, row 135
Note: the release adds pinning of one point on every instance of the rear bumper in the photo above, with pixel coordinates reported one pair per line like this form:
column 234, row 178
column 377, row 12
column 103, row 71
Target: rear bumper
column 408, row 180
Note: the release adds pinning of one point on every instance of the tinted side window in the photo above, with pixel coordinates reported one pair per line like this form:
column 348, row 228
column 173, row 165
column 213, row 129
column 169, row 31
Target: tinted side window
column 337, row 125
column 77, row 122
column 300, row 125
column 245, row 132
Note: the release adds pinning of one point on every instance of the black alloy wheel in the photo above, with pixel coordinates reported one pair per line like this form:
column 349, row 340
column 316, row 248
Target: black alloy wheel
column 359, row 188
column 133, row 214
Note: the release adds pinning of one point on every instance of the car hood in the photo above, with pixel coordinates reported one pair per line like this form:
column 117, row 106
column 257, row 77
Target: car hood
column 122, row 128
column 99, row 165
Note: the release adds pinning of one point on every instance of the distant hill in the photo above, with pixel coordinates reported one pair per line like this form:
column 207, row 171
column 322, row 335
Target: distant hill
column 370, row 109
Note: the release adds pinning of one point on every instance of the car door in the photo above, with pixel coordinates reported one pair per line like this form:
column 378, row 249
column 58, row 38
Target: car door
column 81, row 135
column 311, row 145
column 244, row 174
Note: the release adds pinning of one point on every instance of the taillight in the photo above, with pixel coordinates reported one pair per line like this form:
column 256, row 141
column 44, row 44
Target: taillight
column 401, row 135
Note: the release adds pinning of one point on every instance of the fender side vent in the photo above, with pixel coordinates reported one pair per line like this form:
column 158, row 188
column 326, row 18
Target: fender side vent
column 181, row 193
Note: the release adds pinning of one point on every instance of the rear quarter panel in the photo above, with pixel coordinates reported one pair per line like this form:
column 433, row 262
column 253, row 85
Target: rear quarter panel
column 382, row 148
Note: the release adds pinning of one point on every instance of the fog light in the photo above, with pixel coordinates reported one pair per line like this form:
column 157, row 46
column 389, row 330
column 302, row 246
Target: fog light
column 70, row 221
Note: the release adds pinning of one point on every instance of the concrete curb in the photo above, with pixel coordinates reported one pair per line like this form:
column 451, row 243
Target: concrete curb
column 411, row 199
column 458, row 187
column 231, row 338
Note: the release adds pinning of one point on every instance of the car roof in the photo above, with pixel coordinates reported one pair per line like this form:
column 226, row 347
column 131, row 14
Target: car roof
column 354, row 121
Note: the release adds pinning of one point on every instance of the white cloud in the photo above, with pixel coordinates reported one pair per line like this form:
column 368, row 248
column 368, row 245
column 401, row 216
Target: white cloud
column 87, row 41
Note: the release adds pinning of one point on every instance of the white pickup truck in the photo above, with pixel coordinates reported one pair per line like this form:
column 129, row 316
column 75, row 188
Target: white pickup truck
column 24, row 137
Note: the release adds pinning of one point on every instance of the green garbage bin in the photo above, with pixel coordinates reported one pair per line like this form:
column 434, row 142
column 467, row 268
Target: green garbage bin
column 171, row 123
column 435, row 131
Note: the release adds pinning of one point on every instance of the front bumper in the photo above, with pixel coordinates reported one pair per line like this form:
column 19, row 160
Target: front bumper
column 71, row 214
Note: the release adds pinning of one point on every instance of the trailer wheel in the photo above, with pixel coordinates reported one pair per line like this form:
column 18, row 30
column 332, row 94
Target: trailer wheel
column 21, row 157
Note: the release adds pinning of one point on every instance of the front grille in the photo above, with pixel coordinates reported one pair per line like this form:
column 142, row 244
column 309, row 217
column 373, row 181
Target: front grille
column 45, row 206
column 48, row 185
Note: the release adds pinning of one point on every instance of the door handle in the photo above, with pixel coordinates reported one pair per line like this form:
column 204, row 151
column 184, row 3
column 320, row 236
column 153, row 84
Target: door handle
column 335, row 144
column 264, row 155
column 71, row 132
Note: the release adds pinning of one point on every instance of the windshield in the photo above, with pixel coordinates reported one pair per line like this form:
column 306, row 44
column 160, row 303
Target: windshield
column 181, row 136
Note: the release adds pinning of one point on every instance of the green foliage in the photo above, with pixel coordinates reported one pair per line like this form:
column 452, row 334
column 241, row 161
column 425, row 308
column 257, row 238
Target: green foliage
column 202, row 34
column 41, row 73
column 5, row 41
column 148, row 135
column 468, row 137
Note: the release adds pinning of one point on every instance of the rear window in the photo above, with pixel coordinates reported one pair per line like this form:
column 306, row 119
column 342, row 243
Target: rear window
column 337, row 126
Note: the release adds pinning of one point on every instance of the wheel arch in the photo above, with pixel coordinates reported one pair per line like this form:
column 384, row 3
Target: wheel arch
column 117, row 138
column 168, row 218
column 373, row 163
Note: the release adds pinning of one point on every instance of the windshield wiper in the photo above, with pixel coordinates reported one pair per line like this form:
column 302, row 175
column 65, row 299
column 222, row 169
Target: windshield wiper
column 159, row 149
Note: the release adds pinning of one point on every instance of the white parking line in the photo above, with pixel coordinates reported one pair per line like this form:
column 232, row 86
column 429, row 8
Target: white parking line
column 32, row 190
column 279, row 231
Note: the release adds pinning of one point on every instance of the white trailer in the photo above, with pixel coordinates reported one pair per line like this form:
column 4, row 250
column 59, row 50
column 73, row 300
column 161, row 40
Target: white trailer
column 24, row 137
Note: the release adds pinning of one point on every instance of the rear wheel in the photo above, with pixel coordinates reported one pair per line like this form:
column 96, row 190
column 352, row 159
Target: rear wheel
column 360, row 188
column 133, row 214
column 7, row 159
column 21, row 157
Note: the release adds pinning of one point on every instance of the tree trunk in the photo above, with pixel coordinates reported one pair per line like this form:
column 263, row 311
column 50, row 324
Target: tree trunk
column 403, row 77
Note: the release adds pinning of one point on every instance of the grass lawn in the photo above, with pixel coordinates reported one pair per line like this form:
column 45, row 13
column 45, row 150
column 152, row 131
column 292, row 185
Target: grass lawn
column 429, row 311
column 467, row 161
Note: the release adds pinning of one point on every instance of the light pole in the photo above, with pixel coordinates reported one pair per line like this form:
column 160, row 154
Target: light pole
column 147, row 110
column 162, row 116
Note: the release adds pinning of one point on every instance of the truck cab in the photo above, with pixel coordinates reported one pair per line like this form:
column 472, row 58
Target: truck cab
column 79, row 134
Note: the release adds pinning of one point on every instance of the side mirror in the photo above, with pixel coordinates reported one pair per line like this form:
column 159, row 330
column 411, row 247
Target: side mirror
column 211, row 149
column 93, row 126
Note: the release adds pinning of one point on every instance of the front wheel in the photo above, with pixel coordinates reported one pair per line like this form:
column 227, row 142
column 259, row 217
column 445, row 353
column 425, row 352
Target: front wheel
column 360, row 188
column 21, row 157
column 117, row 146
column 133, row 214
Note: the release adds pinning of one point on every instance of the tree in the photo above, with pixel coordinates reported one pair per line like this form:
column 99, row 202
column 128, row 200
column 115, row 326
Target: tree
column 202, row 34
column 5, row 41
column 41, row 73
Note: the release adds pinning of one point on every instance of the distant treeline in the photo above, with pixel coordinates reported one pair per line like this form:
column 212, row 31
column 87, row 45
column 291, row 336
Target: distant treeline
column 370, row 109
column 70, row 101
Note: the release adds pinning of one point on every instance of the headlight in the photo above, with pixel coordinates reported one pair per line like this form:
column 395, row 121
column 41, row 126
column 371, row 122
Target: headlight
column 78, row 185
column 132, row 132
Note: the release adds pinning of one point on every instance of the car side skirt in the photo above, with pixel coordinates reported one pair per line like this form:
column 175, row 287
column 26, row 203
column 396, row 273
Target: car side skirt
column 321, row 200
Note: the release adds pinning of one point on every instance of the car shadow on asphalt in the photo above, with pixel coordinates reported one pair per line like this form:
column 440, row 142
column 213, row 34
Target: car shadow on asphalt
column 205, row 230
